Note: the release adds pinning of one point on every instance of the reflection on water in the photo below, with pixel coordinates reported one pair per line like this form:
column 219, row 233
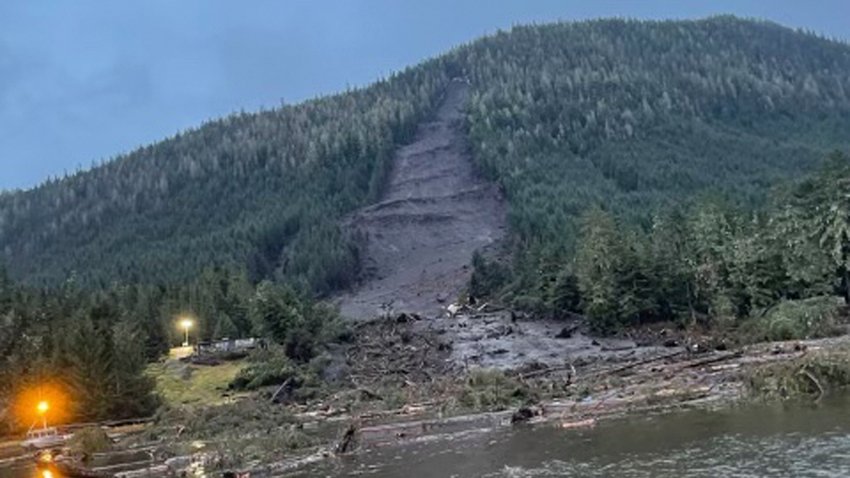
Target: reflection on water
column 777, row 441
column 781, row 440
column 47, row 474
column 27, row 470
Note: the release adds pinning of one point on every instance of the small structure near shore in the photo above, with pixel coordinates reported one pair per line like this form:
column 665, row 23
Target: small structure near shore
column 227, row 345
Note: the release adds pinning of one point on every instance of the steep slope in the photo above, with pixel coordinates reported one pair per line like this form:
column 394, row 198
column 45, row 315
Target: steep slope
column 631, row 115
column 262, row 191
column 435, row 214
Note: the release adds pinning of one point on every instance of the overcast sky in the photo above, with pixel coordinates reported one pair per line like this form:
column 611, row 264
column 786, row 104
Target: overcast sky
column 84, row 80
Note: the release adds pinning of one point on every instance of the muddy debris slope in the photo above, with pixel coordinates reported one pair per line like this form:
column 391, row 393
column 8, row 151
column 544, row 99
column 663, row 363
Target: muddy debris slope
column 435, row 213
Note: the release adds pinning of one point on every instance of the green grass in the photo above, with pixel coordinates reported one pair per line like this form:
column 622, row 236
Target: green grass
column 179, row 384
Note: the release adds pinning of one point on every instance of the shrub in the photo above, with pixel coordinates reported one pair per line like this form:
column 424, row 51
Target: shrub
column 90, row 440
column 488, row 277
column 799, row 319
column 268, row 367
column 487, row 389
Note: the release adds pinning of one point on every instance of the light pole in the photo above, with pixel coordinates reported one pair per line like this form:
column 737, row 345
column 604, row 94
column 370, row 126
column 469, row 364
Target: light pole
column 186, row 324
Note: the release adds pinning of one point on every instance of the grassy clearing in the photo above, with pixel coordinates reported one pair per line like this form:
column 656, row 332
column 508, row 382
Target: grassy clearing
column 178, row 383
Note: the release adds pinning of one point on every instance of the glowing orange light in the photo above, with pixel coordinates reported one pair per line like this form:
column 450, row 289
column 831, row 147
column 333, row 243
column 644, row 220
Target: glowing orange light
column 46, row 474
column 46, row 402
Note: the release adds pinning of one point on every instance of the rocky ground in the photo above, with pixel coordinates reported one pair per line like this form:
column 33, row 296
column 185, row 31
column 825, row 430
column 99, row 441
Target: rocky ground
column 436, row 212
column 406, row 380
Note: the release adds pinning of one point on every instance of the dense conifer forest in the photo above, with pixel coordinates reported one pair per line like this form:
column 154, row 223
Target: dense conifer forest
column 650, row 170
column 94, row 345
column 632, row 115
column 776, row 273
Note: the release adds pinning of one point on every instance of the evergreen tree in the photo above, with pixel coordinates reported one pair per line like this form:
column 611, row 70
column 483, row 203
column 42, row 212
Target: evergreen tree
column 672, row 263
column 131, row 389
column 828, row 209
column 597, row 263
column 90, row 354
column 276, row 311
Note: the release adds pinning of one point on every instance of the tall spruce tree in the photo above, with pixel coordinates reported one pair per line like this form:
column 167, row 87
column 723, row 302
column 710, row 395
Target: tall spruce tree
column 598, row 262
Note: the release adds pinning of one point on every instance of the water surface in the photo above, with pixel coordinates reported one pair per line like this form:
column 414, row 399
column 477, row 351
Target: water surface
column 781, row 440
column 784, row 440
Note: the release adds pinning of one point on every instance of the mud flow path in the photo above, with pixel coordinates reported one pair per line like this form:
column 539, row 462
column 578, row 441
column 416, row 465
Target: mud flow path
column 435, row 213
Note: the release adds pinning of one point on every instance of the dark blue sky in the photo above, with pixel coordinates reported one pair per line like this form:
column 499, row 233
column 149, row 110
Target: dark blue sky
column 81, row 81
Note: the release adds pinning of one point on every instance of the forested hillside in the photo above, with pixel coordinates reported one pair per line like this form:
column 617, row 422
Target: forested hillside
column 629, row 115
column 777, row 273
column 637, row 116
column 261, row 190
column 640, row 162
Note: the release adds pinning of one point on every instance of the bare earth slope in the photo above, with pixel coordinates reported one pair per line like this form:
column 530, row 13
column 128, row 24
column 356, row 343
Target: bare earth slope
column 435, row 213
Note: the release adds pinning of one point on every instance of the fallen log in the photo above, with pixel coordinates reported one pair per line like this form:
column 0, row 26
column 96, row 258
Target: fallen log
column 346, row 443
column 638, row 363
column 154, row 471
column 714, row 360
column 547, row 371
column 814, row 380
column 566, row 332
column 280, row 389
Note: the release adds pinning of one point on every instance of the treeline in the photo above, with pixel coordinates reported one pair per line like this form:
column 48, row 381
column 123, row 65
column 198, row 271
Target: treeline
column 95, row 345
column 632, row 115
column 711, row 264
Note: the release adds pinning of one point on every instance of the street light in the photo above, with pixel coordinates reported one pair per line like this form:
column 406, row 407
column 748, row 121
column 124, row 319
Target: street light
column 42, row 409
column 186, row 324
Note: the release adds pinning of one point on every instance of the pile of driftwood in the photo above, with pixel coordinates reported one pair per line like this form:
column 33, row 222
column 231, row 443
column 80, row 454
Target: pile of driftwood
column 396, row 350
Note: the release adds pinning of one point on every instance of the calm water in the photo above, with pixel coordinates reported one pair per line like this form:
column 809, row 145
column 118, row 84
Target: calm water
column 792, row 441
column 783, row 440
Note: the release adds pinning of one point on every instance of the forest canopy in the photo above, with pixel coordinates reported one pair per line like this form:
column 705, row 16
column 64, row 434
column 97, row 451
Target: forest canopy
column 649, row 168
column 632, row 115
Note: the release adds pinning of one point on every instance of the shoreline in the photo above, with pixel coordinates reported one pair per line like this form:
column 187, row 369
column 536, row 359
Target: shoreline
column 567, row 397
column 669, row 383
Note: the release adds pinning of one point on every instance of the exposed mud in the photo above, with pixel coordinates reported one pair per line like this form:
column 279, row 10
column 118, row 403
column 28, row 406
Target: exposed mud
column 500, row 340
column 436, row 212
column 409, row 349
column 601, row 387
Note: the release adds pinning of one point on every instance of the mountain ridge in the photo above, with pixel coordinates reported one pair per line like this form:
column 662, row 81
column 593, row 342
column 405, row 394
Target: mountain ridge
column 631, row 114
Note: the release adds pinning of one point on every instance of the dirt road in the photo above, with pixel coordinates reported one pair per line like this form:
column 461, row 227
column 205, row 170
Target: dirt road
column 435, row 213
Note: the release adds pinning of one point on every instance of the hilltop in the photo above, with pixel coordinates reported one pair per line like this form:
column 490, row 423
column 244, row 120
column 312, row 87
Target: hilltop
column 631, row 115
column 618, row 215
